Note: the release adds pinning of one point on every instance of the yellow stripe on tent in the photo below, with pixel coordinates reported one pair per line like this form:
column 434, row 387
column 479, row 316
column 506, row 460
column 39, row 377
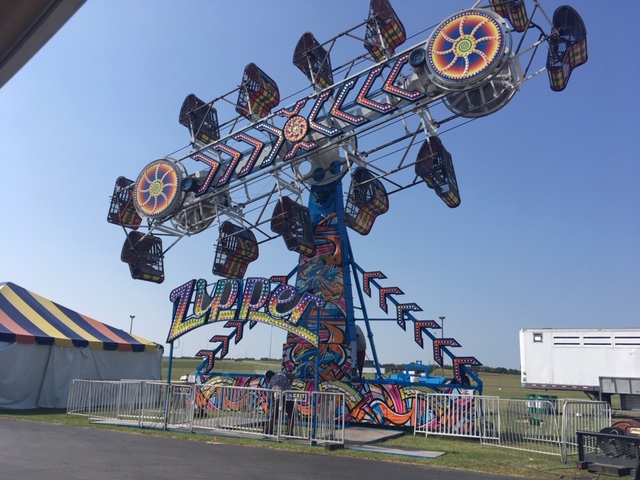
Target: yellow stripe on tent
column 149, row 346
column 94, row 343
column 37, row 319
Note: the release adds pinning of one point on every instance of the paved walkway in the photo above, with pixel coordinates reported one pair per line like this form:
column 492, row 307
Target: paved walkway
column 33, row 451
column 366, row 439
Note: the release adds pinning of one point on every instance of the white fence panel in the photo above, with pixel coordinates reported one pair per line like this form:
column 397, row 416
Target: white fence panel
column 330, row 414
column 104, row 400
column 527, row 425
column 311, row 416
column 586, row 416
column 139, row 403
column 233, row 409
column 320, row 417
column 470, row 416
column 79, row 397
column 536, row 425
column 173, row 402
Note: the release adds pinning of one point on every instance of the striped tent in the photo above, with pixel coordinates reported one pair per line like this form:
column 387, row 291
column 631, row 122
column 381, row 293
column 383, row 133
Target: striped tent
column 44, row 346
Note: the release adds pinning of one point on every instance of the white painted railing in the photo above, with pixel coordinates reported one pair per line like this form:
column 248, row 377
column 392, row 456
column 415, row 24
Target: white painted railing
column 542, row 426
column 527, row 425
column 535, row 425
column 313, row 416
column 131, row 402
column 469, row 416
column 317, row 417
column 583, row 416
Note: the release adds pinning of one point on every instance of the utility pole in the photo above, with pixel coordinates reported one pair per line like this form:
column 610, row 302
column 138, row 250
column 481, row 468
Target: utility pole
column 131, row 324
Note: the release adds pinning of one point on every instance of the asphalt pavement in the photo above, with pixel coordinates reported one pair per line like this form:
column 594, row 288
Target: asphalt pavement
column 33, row 451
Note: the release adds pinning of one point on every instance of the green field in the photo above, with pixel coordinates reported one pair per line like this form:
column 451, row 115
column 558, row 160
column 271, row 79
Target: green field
column 505, row 386
column 185, row 366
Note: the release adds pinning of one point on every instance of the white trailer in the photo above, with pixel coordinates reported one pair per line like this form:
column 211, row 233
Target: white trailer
column 596, row 361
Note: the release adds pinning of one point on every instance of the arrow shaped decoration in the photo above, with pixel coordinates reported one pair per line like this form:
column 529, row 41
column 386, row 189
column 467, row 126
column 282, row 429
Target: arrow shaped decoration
column 239, row 328
column 210, row 357
column 401, row 312
column 225, row 344
column 285, row 112
column 384, row 292
column 257, row 150
column 278, row 279
column 438, row 343
column 419, row 327
column 463, row 361
column 366, row 279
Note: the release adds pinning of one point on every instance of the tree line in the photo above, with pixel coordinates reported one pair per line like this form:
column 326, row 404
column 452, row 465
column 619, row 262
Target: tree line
column 400, row 367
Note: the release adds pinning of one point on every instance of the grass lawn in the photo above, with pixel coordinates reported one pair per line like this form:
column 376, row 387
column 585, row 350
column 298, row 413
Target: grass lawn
column 185, row 366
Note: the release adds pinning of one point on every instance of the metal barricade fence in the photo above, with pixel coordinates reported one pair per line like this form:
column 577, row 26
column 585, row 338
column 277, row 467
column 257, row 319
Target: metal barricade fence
column 131, row 402
column 232, row 409
column 470, row 416
column 299, row 424
column 179, row 404
column 527, row 425
column 330, row 415
column 587, row 416
column 271, row 413
column 536, row 425
column 79, row 398
column 313, row 416
column 320, row 417
column 103, row 399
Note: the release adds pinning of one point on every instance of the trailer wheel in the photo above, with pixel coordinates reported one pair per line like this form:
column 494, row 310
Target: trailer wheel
column 611, row 447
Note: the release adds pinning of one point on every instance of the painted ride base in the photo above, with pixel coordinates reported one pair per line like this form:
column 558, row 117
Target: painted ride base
column 367, row 402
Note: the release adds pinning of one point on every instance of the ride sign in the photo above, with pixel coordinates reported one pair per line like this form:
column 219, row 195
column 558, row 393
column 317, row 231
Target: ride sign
column 282, row 307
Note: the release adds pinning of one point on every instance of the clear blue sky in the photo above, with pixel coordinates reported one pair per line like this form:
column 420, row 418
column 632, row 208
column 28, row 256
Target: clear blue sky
column 548, row 233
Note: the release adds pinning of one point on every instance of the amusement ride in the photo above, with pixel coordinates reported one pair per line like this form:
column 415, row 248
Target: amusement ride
column 279, row 173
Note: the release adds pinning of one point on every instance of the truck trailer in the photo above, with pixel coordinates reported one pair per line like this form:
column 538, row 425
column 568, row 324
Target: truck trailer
column 599, row 362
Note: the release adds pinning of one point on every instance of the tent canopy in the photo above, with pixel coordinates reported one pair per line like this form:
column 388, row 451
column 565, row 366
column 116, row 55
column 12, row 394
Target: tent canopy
column 45, row 346
column 28, row 318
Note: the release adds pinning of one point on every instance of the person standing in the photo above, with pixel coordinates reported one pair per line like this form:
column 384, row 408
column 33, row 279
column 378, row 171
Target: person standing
column 278, row 384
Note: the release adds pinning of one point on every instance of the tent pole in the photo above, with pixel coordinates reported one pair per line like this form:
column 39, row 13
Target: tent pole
column 170, row 362
column 167, row 396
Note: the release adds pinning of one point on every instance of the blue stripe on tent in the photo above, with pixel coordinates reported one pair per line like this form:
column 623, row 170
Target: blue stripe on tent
column 77, row 318
column 40, row 323
column 7, row 337
column 27, row 298
column 15, row 315
column 5, row 331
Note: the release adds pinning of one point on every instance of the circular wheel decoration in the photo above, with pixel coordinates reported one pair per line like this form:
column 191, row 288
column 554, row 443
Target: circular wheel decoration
column 157, row 191
column 466, row 48
column 295, row 129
